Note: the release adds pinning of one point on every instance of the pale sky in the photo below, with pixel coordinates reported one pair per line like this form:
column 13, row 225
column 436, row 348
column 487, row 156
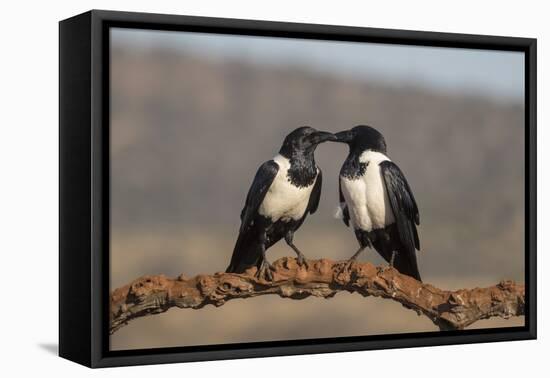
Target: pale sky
column 495, row 74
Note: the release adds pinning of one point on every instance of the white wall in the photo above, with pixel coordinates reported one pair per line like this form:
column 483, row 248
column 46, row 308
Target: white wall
column 28, row 151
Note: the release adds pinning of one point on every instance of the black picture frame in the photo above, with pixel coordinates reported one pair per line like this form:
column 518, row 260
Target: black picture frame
column 84, row 187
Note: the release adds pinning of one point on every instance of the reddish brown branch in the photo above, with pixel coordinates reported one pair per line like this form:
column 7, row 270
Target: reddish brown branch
column 322, row 278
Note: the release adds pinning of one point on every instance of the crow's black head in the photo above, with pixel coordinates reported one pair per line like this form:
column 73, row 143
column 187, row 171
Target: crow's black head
column 304, row 140
column 362, row 138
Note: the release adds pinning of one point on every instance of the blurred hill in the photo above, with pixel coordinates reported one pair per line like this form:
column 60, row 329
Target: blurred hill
column 187, row 135
column 217, row 122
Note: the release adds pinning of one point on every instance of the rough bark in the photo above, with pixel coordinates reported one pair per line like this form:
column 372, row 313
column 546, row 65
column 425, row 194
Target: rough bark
column 449, row 310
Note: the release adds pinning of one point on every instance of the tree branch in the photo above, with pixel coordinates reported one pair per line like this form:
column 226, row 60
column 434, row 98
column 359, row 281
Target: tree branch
column 321, row 278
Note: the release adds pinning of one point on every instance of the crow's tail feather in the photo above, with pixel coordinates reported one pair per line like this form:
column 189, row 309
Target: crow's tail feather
column 246, row 254
column 405, row 257
column 405, row 262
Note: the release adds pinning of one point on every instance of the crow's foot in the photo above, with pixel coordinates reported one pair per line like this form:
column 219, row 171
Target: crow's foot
column 301, row 260
column 347, row 265
column 265, row 271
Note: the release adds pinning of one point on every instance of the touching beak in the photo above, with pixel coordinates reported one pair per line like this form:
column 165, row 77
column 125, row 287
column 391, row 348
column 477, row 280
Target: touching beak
column 345, row 136
column 322, row 136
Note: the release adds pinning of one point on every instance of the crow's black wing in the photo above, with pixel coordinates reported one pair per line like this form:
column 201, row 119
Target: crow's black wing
column 248, row 251
column 403, row 204
column 343, row 205
column 315, row 195
column 256, row 194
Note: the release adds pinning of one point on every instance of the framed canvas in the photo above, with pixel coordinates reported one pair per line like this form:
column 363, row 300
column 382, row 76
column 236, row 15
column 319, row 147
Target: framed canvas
column 234, row 188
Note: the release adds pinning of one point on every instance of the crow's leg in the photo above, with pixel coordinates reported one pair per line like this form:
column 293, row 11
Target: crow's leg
column 264, row 271
column 390, row 263
column 349, row 262
column 392, row 259
column 364, row 241
column 289, row 237
column 356, row 254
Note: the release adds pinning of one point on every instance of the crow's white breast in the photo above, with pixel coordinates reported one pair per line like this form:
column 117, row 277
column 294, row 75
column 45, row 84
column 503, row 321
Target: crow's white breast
column 366, row 196
column 283, row 200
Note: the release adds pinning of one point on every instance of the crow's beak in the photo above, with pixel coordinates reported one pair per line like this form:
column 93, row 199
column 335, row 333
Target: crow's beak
column 344, row 136
column 322, row 136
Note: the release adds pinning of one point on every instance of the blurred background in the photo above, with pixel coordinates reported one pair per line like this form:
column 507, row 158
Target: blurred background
column 194, row 115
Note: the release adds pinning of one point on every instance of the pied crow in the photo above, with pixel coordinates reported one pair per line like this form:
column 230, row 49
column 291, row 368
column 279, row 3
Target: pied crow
column 377, row 200
column 284, row 191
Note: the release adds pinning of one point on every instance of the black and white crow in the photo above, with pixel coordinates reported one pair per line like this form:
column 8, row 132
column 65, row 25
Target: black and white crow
column 284, row 191
column 376, row 198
